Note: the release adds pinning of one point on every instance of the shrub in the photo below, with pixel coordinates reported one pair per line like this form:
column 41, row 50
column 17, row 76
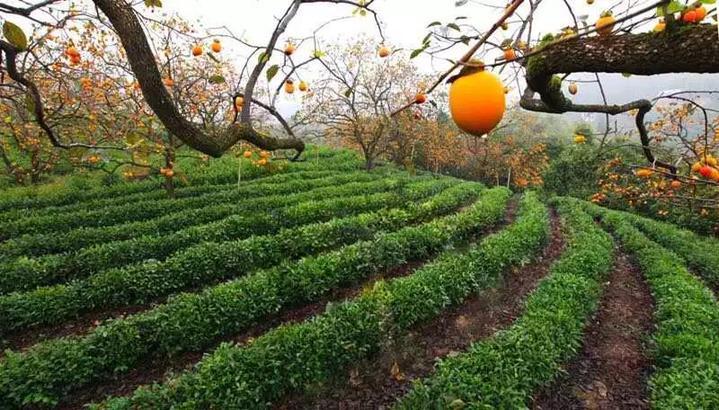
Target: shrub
column 687, row 317
column 505, row 370
column 191, row 321
column 294, row 356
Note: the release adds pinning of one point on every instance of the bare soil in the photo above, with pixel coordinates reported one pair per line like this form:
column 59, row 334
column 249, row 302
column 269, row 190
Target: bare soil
column 613, row 366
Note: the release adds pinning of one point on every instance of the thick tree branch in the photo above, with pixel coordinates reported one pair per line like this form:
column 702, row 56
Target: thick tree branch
column 689, row 49
column 142, row 61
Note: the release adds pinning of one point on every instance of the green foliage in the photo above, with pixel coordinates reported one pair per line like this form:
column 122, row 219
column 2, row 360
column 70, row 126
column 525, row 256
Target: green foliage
column 220, row 202
column 504, row 371
column 585, row 129
column 135, row 211
column 295, row 356
column 687, row 317
column 699, row 253
column 279, row 212
column 223, row 170
column 573, row 173
column 191, row 321
column 212, row 261
column 150, row 196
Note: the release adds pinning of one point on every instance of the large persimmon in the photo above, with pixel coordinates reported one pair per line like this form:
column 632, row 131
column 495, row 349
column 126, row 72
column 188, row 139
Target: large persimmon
column 476, row 99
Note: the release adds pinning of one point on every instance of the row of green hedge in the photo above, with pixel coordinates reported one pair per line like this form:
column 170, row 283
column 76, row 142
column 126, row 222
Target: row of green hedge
column 217, row 173
column 76, row 239
column 295, row 357
column 209, row 262
column 505, row 370
column 262, row 216
column 224, row 170
column 190, row 322
column 182, row 192
column 687, row 317
column 700, row 253
column 143, row 210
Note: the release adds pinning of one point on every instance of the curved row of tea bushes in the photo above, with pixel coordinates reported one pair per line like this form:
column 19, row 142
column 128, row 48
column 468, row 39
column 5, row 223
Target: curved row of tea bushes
column 321, row 160
column 505, row 370
column 259, row 216
column 143, row 210
column 686, row 341
column 209, row 262
column 193, row 321
column 71, row 195
column 293, row 357
column 701, row 254
column 58, row 242
column 159, row 194
column 224, row 170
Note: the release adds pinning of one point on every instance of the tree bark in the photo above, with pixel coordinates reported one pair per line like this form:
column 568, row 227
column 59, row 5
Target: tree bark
column 686, row 49
column 142, row 61
column 680, row 49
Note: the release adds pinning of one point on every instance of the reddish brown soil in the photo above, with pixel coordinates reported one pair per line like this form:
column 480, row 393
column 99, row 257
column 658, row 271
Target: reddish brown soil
column 379, row 382
column 613, row 366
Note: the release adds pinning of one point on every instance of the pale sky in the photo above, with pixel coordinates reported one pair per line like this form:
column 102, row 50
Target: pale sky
column 404, row 23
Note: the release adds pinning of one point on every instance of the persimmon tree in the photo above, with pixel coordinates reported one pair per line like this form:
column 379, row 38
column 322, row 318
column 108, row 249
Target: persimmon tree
column 91, row 99
column 624, row 40
column 80, row 101
column 135, row 34
column 354, row 102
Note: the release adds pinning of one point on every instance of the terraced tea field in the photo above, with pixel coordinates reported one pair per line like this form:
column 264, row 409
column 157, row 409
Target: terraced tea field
column 325, row 286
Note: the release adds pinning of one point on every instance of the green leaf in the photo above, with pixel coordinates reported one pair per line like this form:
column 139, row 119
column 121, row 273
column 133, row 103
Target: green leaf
column 348, row 93
column 434, row 23
column 453, row 26
column 272, row 72
column 673, row 7
column 153, row 3
column 425, row 40
column 416, row 52
column 14, row 35
column 263, row 58
column 30, row 104
column 217, row 79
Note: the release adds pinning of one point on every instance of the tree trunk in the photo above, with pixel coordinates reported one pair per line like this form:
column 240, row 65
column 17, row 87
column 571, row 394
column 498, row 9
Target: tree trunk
column 142, row 61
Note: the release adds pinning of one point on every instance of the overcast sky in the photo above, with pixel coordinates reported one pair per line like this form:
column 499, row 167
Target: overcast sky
column 404, row 23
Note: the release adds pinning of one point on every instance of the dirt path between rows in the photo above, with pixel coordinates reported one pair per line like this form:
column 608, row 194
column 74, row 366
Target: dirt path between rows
column 614, row 363
column 379, row 382
column 155, row 371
